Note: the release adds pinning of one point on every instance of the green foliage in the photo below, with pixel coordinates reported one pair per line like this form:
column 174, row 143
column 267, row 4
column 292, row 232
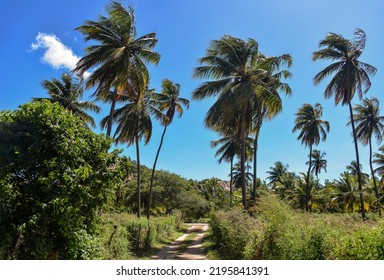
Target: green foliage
column 126, row 237
column 232, row 231
column 54, row 177
column 278, row 232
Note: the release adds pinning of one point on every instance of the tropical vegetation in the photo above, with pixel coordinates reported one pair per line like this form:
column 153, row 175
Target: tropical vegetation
column 66, row 193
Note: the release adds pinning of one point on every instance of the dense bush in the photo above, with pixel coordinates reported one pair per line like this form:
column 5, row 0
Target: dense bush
column 278, row 232
column 125, row 236
column 232, row 231
column 54, row 177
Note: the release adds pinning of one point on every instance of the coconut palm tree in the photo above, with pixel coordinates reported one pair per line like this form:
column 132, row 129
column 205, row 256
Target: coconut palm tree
column 117, row 54
column 317, row 163
column 272, row 84
column 312, row 130
column 169, row 102
column 134, row 122
column 229, row 148
column 369, row 123
column 350, row 75
column 67, row 93
column 231, row 63
column 276, row 172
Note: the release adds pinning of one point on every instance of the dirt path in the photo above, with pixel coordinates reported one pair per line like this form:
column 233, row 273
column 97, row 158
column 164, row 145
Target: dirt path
column 183, row 248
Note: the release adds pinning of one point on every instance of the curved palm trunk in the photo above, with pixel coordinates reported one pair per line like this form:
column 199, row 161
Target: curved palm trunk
column 153, row 172
column 358, row 163
column 138, row 175
column 242, row 160
column 231, row 185
column 374, row 179
column 308, row 193
column 111, row 113
column 255, row 147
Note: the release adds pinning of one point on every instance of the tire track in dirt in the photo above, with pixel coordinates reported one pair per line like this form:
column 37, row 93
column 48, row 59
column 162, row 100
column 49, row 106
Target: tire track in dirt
column 194, row 251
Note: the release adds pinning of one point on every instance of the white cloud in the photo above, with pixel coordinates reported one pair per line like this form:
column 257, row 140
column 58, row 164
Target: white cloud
column 57, row 54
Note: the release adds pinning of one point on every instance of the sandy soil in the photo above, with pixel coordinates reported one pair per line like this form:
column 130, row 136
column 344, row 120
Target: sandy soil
column 194, row 251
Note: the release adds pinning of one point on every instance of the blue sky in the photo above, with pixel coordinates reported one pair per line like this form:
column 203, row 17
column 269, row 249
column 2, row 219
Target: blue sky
column 38, row 42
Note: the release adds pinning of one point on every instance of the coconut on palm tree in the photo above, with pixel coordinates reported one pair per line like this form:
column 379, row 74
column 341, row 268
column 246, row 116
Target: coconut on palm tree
column 350, row 76
column 169, row 102
column 369, row 123
column 312, row 130
column 118, row 53
column 67, row 93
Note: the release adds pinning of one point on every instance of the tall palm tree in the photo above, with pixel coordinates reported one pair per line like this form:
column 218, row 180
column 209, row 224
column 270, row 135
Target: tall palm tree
column 276, row 172
column 170, row 102
column 226, row 152
column 118, row 53
column 134, row 123
column 350, row 76
column 312, row 130
column 231, row 63
column 369, row 123
column 260, row 110
column 67, row 93
column 317, row 163
column 229, row 148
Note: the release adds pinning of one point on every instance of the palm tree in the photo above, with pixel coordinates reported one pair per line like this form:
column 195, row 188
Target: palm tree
column 276, row 172
column 317, row 163
column 369, row 123
column 260, row 111
column 379, row 161
column 170, row 102
column 67, row 93
column 135, row 123
column 350, row 76
column 117, row 55
column 312, row 130
column 228, row 150
column 232, row 64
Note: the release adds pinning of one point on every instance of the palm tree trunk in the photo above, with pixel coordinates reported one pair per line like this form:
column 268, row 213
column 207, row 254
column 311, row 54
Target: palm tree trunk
column 112, row 112
column 255, row 147
column 138, row 175
column 373, row 178
column 153, row 172
column 358, row 163
column 231, row 185
column 308, row 195
column 242, row 159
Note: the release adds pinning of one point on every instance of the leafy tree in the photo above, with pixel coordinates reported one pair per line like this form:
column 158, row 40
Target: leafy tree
column 350, row 76
column 118, row 54
column 169, row 102
column 67, row 93
column 312, row 130
column 55, row 175
column 369, row 123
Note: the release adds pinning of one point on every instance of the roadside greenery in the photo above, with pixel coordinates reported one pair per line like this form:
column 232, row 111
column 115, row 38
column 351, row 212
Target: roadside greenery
column 66, row 194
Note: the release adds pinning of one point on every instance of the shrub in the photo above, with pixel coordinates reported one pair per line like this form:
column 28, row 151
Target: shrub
column 54, row 177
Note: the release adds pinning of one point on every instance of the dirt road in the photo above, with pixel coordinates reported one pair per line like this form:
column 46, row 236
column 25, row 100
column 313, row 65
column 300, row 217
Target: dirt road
column 186, row 247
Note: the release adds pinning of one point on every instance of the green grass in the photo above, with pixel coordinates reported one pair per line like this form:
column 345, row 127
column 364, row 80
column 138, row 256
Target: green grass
column 276, row 231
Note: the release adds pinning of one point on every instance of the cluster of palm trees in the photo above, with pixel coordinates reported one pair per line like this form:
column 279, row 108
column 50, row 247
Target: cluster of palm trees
column 118, row 65
column 247, row 83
